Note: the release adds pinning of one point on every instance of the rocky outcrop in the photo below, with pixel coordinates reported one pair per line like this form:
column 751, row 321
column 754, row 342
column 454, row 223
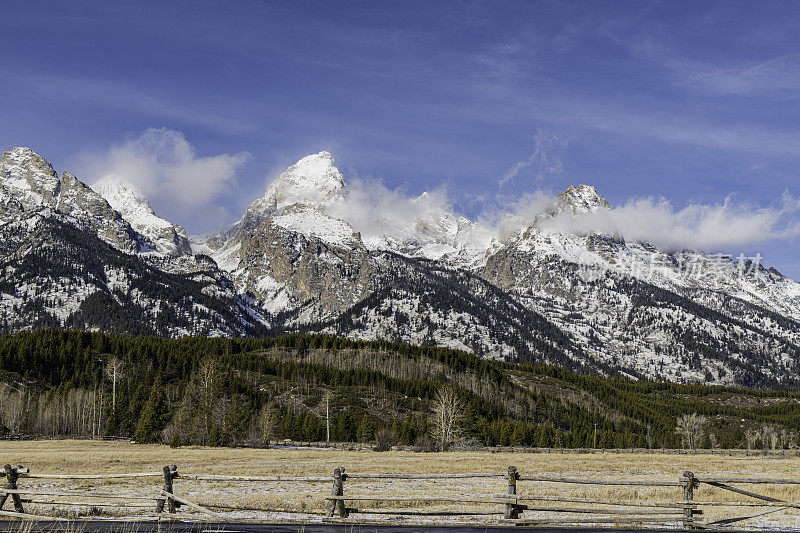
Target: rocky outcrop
column 276, row 262
column 93, row 213
column 165, row 237
column 28, row 183
column 582, row 199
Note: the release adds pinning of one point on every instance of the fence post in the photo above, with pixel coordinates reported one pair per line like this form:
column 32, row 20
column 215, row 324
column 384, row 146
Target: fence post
column 338, row 490
column 512, row 510
column 170, row 473
column 12, row 474
column 688, row 496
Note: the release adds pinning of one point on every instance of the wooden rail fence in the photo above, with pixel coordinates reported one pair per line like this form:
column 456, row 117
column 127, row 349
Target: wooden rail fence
column 514, row 506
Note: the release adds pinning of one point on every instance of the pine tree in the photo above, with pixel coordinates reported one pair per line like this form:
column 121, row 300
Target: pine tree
column 154, row 416
column 364, row 433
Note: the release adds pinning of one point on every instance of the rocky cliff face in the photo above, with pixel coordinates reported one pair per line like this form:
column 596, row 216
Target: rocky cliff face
column 27, row 183
column 164, row 237
column 91, row 212
column 286, row 268
column 288, row 253
column 299, row 260
column 582, row 199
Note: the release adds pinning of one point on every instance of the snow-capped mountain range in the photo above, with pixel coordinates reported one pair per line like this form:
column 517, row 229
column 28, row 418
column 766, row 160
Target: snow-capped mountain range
column 301, row 258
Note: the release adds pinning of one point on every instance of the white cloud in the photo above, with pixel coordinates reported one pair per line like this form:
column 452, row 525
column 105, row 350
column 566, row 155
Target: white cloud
column 166, row 168
column 507, row 218
column 377, row 212
column 187, row 188
column 709, row 227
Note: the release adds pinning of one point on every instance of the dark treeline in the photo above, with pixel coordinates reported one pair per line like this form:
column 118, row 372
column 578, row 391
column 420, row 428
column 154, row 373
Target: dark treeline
column 212, row 391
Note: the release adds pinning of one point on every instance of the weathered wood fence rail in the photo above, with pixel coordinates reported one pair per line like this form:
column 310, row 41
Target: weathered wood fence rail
column 514, row 506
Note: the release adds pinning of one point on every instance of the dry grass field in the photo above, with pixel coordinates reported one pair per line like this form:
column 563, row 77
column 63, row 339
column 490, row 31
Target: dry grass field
column 299, row 500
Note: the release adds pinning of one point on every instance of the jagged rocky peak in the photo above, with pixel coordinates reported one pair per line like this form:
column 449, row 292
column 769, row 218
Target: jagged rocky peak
column 91, row 211
column 75, row 193
column 29, row 179
column 314, row 181
column 168, row 238
column 582, row 199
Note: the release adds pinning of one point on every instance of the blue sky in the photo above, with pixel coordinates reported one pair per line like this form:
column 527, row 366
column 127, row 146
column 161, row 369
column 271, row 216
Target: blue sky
column 693, row 102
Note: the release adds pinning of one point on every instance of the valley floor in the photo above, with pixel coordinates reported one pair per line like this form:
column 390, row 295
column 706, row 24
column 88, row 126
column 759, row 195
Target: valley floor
column 299, row 500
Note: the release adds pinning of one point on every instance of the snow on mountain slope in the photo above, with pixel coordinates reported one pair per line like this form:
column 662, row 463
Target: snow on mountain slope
column 313, row 223
column 309, row 185
column 311, row 199
column 314, row 182
column 57, row 274
column 168, row 238
column 582, row 199
column 596, row 254
column 27, row 183
column 315, row 254
column 92, row 212
column 29, row 186
column 68, row 259
column 665, row 315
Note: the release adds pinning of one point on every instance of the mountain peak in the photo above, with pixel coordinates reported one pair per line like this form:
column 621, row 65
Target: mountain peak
column 29, row 178
column 24, row 156
column 134, row 207
column 582, row 199
column 93, row 212
column 22, row 152
column 313, row 181
column 320, row 159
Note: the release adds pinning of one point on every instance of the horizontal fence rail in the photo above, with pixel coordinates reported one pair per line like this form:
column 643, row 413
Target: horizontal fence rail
column 528, row 500
column 608, row 482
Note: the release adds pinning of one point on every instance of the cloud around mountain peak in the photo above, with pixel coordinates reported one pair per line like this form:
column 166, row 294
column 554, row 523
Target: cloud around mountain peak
column 382, row 214
column 184, row 185
column 313, row 181
column 165, row 166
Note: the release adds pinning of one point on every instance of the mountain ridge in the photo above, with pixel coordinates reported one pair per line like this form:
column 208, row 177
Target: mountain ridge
column 304, row 258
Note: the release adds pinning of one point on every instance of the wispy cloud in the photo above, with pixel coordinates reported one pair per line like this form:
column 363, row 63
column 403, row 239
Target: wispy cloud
column 213, row 112
column 775, row 77
column 544, row 159
column 678, row 128
column 761, row 74
column 166, row 167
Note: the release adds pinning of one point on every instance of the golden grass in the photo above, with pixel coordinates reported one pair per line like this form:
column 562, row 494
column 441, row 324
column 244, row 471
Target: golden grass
column 92, row 457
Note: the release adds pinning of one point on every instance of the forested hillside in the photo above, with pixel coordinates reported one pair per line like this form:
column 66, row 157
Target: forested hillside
column 101, row 260
column 197, row 390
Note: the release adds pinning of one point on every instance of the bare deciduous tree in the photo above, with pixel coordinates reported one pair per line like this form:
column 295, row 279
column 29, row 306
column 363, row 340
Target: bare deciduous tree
column 772, row 436
column 751, row 436
column 267, row 418
column 447, row 418
column 690, row 428
column 12, row 410
column 114, row 368
column 206, row 376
